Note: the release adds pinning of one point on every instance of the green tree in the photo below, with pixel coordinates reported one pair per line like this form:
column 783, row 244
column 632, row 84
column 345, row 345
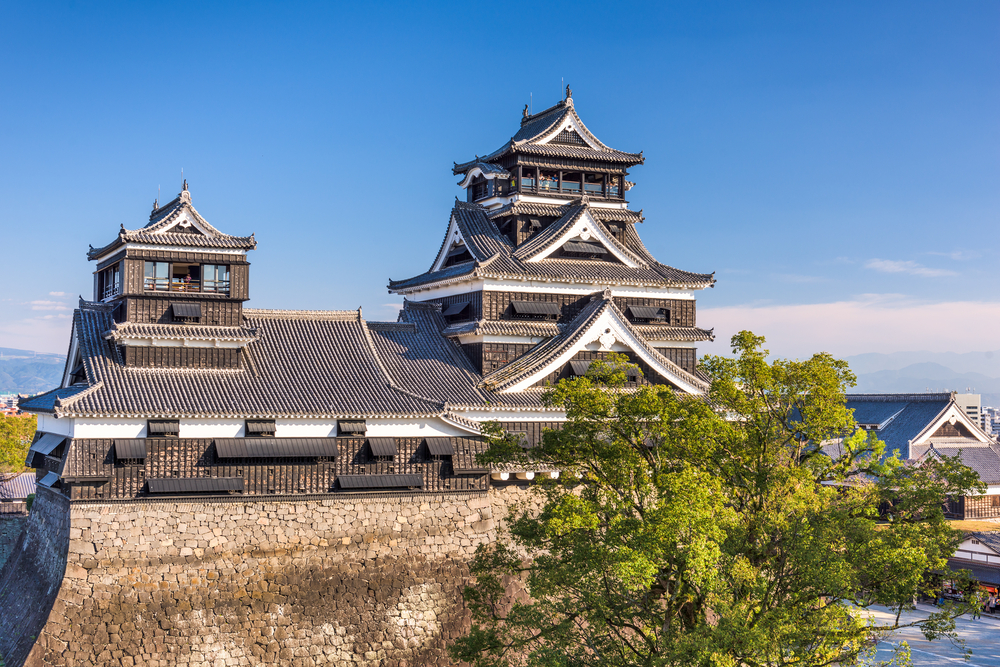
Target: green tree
column 686, row 531
column 16, row 434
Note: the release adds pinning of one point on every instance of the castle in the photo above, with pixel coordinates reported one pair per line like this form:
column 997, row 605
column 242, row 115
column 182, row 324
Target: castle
column 261, row 486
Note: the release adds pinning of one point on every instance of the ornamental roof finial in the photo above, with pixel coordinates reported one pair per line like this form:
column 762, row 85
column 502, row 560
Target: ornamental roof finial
column 524, row 114
column 185, row 185
column 569, row 92
column 156, row 204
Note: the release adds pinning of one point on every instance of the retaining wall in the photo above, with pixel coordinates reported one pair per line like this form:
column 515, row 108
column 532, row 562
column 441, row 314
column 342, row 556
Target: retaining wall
column 345, row 580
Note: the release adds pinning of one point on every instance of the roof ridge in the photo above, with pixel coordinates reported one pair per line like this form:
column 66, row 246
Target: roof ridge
column 330, row 315
column 385, row 371
column 899, row 398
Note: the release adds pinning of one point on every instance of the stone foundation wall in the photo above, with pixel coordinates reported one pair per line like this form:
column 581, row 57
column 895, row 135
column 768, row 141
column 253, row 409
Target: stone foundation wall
column 32, row 576
column 339, row 581
column 10, row 530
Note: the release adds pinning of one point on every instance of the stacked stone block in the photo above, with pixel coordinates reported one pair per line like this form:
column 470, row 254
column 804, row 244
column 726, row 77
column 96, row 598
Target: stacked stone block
column 337, row 581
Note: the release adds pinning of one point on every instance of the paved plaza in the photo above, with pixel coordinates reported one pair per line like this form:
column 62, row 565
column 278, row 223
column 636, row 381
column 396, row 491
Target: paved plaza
column 981, row 635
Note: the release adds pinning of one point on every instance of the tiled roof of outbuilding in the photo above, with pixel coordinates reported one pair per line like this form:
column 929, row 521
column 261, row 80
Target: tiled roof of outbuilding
column 17, row 487
column 913, row 414
column 985, row 460
column 990, row 538
column 495, row 257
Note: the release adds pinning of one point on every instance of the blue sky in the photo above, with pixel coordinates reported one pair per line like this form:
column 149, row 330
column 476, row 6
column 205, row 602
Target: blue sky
column 837, row 164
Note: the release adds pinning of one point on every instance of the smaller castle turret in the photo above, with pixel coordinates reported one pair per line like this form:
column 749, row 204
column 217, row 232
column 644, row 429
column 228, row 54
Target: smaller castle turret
column 166, row 282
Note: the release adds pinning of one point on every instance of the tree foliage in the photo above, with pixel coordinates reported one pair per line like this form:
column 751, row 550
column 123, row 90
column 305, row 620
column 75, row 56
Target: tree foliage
column 16, row 434
column 710, row 530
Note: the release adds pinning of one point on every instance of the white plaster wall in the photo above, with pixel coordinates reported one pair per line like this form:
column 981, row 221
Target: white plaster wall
column 51, row 424
column 305, row 428
column 211, row 428
column 411, row 428
column 109, row 428
column 513, row 415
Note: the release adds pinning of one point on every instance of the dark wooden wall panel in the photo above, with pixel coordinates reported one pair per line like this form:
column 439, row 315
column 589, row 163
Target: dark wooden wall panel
column 533, row 430
column 474, row 351
column 187, row 457
column 156, row 309
column 496, row 355
column 181, row 357
column 475, row 300
column 685, row 357
column 496, row 305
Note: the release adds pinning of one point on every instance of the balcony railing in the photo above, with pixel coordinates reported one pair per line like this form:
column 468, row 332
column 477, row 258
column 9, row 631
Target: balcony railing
column 110, row 292
column 216, row 286
column 168, row 285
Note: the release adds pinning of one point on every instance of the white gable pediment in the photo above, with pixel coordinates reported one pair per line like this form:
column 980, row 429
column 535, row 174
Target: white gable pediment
column 953, row 414
column 186, row 222
column 571, row 123
column 588, row 230
column 451, row 239
column 610, row 333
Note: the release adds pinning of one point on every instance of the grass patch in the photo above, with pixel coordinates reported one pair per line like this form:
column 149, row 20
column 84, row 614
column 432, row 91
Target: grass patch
column 971, row 525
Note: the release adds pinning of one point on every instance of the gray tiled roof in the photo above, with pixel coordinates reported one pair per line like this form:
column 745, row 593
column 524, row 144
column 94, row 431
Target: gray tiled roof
column 302, row 363
column 488, row 168
column 980, row 572
column 495, row 257
column 542, row 354
column 915, row 413
column 548, row 210
column 663, row 332
column 541, row 126
column 126, row 330
column 985, row 460
column 990, row 538
column 17, row 487
column 503, row 328
column 162, row 218
column 305, row 363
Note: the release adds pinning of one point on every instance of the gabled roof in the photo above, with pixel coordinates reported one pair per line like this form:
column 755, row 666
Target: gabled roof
column 576, row 220
column 905, row 420
column 539, row 134
column 177, row 224
column 990, row 538
column 600, row 318
column 495, row 257
column 984, row 460
column 305, row 363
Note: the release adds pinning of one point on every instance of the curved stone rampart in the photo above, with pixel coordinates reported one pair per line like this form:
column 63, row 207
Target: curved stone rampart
column 343, row 580
column 32, row 576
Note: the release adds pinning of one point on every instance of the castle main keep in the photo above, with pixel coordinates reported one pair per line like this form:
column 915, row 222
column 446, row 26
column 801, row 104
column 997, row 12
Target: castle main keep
column 221, row 485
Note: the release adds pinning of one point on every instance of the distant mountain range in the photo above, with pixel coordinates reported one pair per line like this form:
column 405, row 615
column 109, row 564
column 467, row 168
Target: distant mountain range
column 27, row 372
column 918, row 372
